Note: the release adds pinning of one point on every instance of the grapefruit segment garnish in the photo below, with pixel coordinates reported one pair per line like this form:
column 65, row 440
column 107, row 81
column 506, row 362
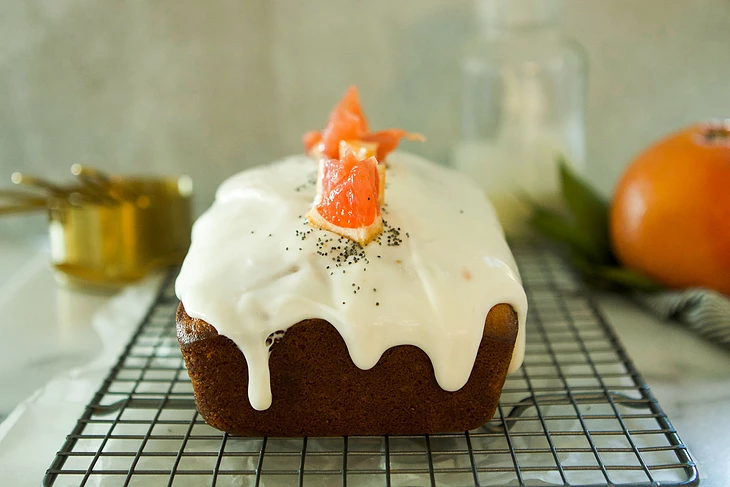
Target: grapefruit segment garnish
column 348, row 203
column 389, row 139
column 312, row 141
column 347, row 122
column 351, row 176
column 363, row 150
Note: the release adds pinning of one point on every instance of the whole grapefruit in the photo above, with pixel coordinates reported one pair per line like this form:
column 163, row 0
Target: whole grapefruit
column 670, row 215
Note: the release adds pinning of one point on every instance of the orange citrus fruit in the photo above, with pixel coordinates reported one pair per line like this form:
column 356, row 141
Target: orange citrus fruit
column 670, row 216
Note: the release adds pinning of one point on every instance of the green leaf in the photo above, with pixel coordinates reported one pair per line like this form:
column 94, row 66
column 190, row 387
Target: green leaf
column 585, row 234
column 556, row 228
column 589, row 210
column 613, row 277
column 627, row 278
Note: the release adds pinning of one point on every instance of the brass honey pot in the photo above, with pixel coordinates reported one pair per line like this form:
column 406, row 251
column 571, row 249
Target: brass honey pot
column 109, row 231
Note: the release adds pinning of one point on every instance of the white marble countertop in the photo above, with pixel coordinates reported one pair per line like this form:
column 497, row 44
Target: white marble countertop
column 47, row 330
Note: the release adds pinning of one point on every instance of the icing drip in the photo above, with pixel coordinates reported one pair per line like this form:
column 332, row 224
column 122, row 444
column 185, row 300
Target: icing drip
column 256, row 267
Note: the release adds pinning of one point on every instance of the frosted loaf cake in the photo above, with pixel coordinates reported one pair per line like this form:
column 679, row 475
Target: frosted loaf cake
column 288, row 329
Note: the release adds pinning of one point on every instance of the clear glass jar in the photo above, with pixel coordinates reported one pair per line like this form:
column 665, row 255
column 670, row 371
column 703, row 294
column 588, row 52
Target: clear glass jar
column 524, row 87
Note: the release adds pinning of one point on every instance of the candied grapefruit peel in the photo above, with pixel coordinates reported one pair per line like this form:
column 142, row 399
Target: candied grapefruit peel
column 352, row 171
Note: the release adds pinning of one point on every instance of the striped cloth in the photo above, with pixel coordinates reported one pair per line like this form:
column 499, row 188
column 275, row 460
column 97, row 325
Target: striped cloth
column 702, row 310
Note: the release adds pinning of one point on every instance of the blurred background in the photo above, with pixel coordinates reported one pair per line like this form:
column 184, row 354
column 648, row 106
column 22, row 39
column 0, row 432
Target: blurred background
column 209, row 88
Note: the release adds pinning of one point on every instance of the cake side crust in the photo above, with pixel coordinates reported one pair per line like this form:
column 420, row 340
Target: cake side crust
column 318, row 391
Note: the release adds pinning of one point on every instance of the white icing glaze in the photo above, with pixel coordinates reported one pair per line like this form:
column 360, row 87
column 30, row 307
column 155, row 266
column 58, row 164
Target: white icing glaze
column 434, row 289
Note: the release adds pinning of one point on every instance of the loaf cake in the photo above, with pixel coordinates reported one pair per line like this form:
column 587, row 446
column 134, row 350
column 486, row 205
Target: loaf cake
column 289, row 329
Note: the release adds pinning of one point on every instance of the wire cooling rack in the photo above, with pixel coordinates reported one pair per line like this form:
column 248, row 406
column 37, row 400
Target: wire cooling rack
column 576, row 413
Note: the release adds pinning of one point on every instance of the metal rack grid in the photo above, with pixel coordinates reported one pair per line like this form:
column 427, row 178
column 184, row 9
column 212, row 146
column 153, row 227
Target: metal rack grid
column 577, row 413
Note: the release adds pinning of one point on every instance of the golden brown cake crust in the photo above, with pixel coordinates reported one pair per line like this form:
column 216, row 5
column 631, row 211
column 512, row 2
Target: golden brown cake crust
column 318, row 391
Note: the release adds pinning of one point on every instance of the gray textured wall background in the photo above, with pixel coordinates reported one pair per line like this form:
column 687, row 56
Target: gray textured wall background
column 207, row 88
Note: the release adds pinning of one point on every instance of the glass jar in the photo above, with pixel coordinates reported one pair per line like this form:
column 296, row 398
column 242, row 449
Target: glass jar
column 524, row 88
